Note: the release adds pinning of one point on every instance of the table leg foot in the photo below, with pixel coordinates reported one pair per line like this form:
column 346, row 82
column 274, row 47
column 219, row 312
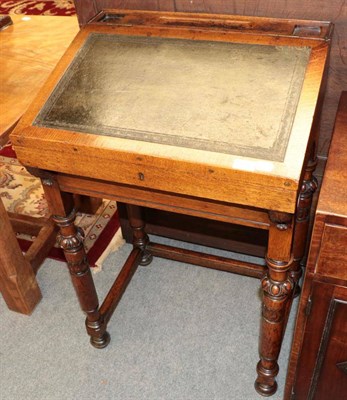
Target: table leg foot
column 146, row 258
column 96, row 329
column 100, row 342
column 266, row 384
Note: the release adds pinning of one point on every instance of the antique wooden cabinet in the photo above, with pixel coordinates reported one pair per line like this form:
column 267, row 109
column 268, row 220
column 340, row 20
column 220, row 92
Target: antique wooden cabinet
column 318, row 364
column 211, row 116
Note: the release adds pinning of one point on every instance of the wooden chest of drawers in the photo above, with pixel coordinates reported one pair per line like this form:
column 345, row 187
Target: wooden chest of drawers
column 318, row 364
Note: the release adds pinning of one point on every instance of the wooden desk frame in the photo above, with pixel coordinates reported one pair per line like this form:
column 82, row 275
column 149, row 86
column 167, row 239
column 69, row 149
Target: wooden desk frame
column 65, row 165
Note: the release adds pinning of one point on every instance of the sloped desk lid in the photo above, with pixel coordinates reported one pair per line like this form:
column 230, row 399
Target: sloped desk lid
column 232, row 98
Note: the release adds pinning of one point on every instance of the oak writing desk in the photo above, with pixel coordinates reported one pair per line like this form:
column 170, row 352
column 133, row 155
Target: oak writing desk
column 209, row 116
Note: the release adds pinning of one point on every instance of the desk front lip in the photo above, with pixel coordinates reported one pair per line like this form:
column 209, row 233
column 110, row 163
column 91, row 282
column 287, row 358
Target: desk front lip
column 42, row 148
column 206, row 181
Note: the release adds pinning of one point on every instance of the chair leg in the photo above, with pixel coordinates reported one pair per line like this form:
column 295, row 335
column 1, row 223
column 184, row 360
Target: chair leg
column 277, row 288
column 18, row 284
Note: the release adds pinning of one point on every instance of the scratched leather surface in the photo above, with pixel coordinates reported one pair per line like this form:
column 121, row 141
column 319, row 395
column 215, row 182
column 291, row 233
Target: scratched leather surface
column 224, row 97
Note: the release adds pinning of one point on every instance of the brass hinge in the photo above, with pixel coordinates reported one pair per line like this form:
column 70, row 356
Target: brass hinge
column 308, row 306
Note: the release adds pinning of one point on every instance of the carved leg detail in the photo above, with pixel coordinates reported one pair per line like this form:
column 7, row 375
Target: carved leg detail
column 70, row 239
column 140, row 238
column 276, row 295
column 308, row 188
column 277, row 286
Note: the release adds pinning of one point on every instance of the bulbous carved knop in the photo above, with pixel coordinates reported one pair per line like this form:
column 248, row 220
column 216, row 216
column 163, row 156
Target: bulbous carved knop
column 71, row 243
column 277, row 289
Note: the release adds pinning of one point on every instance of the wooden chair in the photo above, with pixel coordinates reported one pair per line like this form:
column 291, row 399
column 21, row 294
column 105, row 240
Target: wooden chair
column 18, row 284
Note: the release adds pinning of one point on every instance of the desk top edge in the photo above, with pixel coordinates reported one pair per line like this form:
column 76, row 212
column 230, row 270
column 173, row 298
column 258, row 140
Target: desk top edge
column 313, row 29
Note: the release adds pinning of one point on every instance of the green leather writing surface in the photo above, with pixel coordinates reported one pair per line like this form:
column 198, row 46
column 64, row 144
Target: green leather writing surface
column 224, row 97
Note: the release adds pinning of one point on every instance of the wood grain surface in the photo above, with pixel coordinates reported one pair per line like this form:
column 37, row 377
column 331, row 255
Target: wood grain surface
column 30, row 48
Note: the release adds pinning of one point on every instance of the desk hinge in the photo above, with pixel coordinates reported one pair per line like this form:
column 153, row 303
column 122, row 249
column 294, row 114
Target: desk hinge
column 307, row 31
column 308, row 306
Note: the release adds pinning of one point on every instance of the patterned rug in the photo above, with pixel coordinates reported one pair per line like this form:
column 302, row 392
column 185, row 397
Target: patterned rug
column 22, row 193
column 43, row 7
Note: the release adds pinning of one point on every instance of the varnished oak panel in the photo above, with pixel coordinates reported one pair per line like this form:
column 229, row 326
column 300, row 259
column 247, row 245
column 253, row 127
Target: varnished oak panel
column 165, row 201
column 324, row 346
column 332, row 365
column 333, row 251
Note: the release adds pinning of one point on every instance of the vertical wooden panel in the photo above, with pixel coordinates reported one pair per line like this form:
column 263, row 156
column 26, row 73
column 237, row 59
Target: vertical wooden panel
column 18, row 284
column 85, row 10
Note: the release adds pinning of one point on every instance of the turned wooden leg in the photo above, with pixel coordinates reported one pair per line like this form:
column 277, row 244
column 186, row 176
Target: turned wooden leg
column 140, row 238
column 277, row 288
column 308, row 187
column 70, row 239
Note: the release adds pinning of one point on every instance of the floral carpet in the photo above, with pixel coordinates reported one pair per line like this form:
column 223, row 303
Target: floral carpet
column 43, row 7
column 22, row 193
